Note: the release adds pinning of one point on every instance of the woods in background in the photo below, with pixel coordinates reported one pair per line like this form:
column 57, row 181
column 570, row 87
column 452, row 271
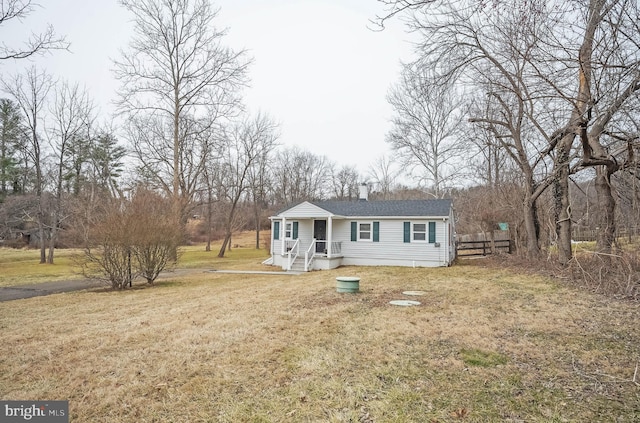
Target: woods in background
column 525, row 113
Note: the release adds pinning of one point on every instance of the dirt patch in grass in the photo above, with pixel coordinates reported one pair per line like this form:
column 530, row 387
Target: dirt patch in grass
column 223, row 347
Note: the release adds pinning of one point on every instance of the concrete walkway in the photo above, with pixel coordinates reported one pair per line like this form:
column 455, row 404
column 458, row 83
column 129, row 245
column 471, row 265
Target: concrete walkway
column 257, row 272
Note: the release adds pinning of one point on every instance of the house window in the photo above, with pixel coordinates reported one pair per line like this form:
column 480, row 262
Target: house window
column 276, row 230
column 291, row 230
column 419, row 232
column 364, row 231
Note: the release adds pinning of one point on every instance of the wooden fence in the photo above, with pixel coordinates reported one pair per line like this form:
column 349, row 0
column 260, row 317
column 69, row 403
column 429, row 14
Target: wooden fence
column 481, row 248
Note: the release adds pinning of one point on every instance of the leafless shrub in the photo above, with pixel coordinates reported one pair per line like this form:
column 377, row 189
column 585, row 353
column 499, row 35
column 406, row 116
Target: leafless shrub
column 156, row 237
column 107, row 254
column 610, row 274
column 607, row 274
column 132, row 238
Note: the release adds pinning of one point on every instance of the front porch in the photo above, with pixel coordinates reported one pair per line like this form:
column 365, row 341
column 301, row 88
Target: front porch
column 314, row 255
column 306, row 242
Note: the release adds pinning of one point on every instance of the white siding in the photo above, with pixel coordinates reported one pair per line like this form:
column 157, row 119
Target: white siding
column 276, row 244
column 391, row 249
column 304, row 210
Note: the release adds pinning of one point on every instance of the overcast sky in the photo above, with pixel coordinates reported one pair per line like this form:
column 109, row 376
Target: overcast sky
column 318, row 68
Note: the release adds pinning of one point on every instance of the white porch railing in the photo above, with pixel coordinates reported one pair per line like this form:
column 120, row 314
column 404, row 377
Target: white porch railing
column 336, row 248
column 309, row 255
column 292, row 252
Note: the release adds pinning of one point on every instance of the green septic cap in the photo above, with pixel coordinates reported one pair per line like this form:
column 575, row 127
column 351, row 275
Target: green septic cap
column 347, row 284
column 404, row 303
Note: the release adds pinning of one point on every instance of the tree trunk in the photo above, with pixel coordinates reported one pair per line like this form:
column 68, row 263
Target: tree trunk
column 225, row 243
column 492, row 238
column 43, row 248
column 563, row 221
column 562, row 201
column 605, row 211
column 257, row 220
column 531, row 227
column 177, row 203
column 209, row 228
column 52, row 243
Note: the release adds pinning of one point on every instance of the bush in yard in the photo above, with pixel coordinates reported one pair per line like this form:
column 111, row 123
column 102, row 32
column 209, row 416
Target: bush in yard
column 132, row 238
column 156, row 237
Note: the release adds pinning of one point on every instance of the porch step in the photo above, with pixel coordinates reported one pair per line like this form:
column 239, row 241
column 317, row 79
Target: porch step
column 298, row 265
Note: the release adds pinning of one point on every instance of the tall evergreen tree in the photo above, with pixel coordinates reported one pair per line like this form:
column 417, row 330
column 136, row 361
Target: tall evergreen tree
column 10, row 136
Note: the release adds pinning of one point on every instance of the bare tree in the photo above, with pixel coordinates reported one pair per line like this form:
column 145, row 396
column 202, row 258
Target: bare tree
column 210, row 191
column 344, row 182
column 18, row 10
column 245, row 145
column 495, row 51
column 609, row 86
column 384, row 175
column 556, row 72
column 30, row 93
column 153, row 147
column 71, row 118
column 175, row 69
column 300, row 175
column 261, row 185
column 427, row 128
column 490, row 161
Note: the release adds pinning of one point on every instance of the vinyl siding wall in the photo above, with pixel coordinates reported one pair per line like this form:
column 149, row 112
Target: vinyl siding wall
column 391, row 249
column 304, row 210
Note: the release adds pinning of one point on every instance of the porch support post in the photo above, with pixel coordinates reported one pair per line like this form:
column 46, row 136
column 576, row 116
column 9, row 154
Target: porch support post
column 283, row 238
column 329, row 235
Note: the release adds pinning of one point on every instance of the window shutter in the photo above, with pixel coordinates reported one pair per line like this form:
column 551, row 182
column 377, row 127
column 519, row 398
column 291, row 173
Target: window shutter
column 432, row 232
column 295, row 230
column 407, row 231
column 354, row 231
column 276, row 230
column 376, row 231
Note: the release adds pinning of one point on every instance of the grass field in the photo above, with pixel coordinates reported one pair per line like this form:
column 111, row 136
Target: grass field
column 486, row 345
column 22, row 266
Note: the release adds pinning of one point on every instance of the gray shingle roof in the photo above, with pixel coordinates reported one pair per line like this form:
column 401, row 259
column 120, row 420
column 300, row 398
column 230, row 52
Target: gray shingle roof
column 430, row 208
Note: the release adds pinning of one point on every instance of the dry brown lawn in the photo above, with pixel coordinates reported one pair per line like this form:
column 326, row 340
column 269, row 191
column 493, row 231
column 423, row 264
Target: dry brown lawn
column 485, row 346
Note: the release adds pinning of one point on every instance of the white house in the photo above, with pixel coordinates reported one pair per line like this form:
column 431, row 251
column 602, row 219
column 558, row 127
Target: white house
column 316, row 235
